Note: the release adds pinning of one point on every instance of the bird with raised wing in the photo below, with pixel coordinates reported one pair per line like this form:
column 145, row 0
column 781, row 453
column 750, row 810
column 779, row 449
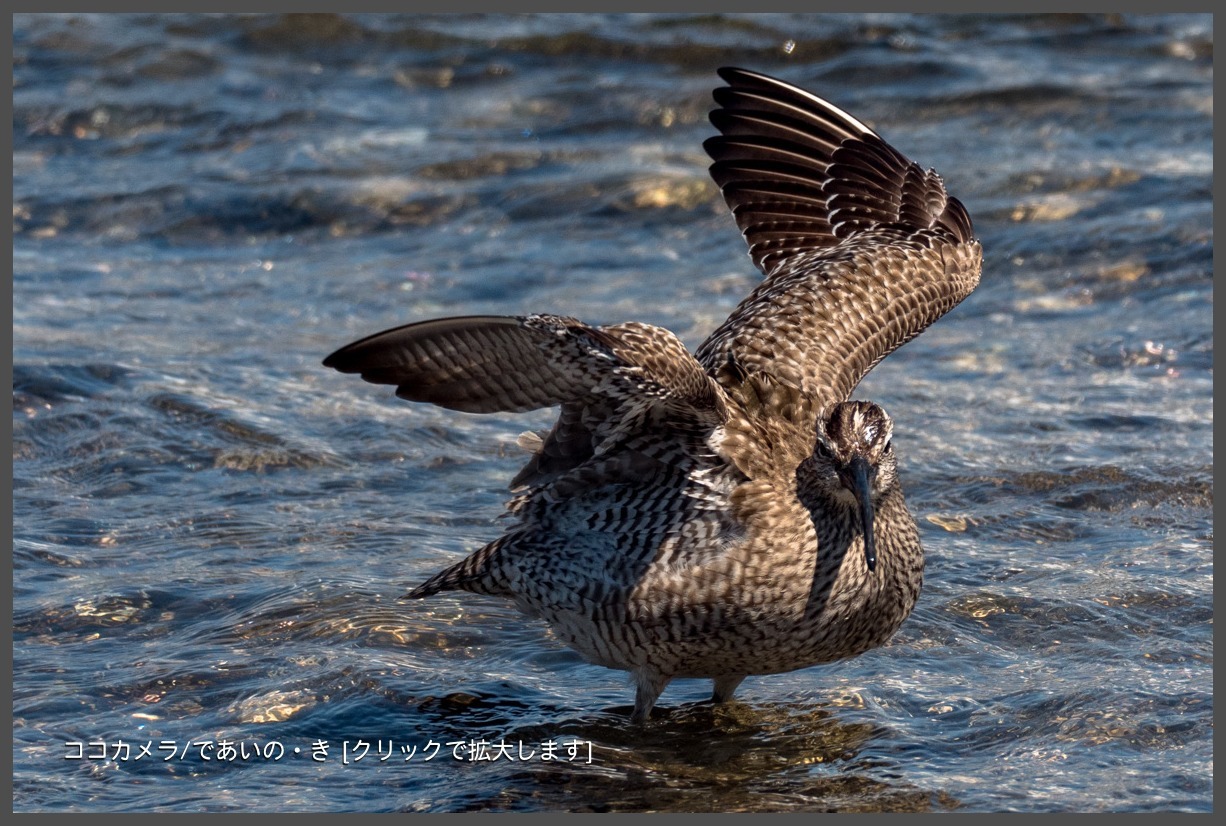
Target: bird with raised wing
column 728, row 512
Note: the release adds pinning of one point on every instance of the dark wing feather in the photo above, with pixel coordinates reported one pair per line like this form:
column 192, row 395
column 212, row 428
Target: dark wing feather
column 862, row 248
column 604, row 378
column 478, row 364
column 771, row 130
column 486, row 364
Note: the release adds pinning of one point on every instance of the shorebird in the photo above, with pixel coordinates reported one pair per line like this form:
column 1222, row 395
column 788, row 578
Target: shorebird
column 728, row 512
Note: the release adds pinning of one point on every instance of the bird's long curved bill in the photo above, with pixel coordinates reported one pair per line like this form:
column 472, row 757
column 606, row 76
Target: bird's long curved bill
column 859, row 473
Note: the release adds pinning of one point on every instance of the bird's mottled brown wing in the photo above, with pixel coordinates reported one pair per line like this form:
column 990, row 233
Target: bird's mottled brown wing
column 485, row 364
column 478, row 364
column 862, row 249
column 603, row 377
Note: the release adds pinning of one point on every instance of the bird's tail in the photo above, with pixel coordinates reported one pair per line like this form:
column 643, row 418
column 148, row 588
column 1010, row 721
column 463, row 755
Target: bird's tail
column 475, row 573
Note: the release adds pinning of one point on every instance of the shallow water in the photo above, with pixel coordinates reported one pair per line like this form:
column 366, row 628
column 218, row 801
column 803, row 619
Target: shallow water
column 212, row 530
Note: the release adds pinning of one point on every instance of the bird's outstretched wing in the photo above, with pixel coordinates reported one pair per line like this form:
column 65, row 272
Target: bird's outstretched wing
column 606, row 379
column 861, row 248
column 486, row 364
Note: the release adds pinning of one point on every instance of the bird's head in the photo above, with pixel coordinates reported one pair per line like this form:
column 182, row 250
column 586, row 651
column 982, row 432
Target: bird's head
column 855, row 461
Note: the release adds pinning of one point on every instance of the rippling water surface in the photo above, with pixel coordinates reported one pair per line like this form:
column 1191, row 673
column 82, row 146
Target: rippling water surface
column 212, row 530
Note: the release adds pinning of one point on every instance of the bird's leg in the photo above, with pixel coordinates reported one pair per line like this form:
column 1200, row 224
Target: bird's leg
column 649, row 684
column 725, row 686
